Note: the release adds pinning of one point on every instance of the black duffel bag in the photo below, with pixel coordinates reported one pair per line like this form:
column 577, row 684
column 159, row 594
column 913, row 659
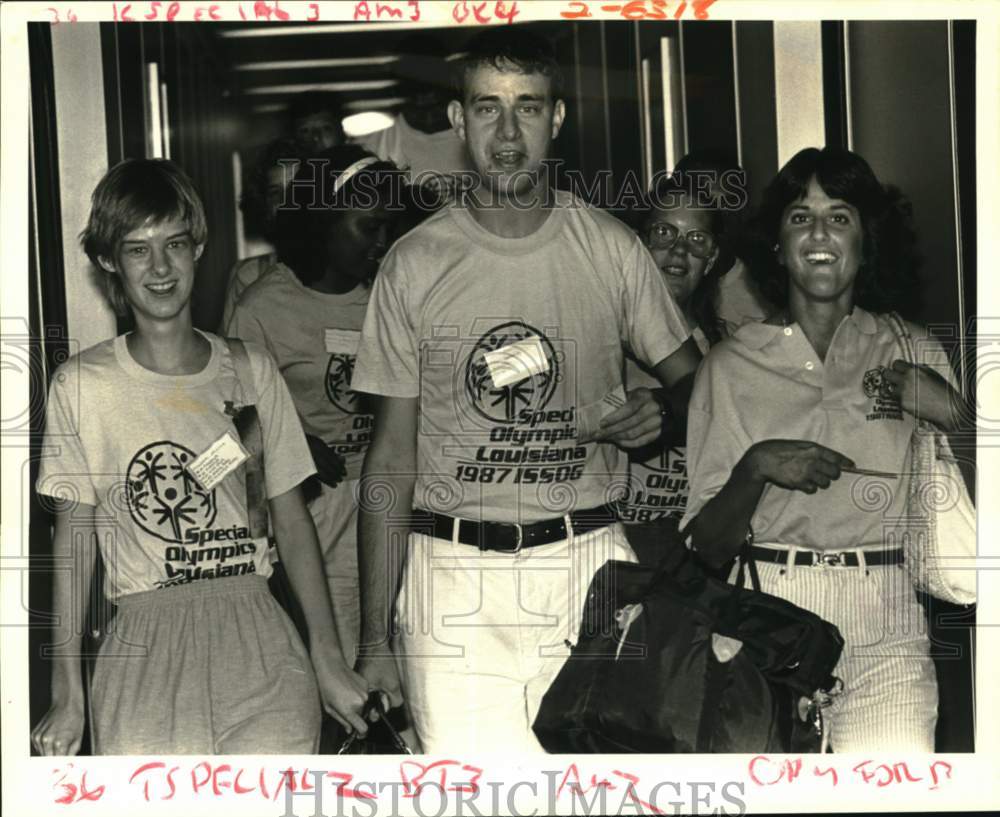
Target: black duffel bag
column 684, row 662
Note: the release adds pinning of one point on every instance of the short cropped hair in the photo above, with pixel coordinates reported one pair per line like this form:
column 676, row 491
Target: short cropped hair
column 887, row 279
column 312, row 207
column 502, row 46
column 133, row 193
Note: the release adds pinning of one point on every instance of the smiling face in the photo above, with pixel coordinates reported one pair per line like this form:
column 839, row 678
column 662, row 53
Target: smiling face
column 681, row 270
column 508, row 120
column 156, row 265
column 821, row 244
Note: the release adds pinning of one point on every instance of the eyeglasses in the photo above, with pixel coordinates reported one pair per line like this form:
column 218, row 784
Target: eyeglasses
column 663, row 236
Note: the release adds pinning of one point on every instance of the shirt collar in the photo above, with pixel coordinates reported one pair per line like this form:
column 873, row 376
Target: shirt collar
column 757, row 334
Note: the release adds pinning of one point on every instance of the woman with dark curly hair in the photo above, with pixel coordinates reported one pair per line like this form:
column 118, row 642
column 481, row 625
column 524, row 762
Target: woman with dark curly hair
column 790, row 417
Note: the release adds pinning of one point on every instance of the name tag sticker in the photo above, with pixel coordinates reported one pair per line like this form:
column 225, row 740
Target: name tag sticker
column 516, row 361
column 219, row 460
column 341, row 341
column 612, row 401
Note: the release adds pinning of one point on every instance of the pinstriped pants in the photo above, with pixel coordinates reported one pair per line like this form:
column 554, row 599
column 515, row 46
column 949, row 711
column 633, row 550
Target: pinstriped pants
column 890, row 697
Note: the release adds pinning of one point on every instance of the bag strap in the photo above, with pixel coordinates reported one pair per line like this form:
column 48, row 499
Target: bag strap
column 247, row 422
column 747, row 561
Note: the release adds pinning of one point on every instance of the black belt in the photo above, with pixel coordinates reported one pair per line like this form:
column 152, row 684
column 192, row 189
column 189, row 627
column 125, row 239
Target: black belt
column 510, row 537
column 834, row 558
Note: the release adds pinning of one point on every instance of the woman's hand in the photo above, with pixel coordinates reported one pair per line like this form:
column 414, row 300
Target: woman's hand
column 342, row 691
column 797, row 465
column 330, row 466
column 60, row 731
column 922, row 392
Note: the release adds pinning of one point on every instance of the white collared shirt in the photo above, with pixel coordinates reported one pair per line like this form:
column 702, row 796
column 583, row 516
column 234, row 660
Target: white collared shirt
column 767, row 382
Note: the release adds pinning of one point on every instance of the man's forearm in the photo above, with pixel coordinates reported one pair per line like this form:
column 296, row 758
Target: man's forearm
column 383, row 527
column 720, row 528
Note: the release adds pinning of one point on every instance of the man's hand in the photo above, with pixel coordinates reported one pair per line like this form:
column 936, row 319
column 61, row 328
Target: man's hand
column 380, row 673
column 60, row 731
column 330, row 466
column 342, row 691
column 635, row 424
column 797, row 465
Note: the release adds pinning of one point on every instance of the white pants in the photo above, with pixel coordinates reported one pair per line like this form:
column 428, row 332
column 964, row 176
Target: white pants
column 889, row 701
column 482, row 635
column 335, row 514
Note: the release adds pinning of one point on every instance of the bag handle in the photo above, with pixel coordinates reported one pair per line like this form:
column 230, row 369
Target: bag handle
column 247, row 422
column 747, row 561
column 376, row 705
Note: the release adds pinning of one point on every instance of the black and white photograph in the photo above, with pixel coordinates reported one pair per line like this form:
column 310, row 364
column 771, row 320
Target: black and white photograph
column 499, row 407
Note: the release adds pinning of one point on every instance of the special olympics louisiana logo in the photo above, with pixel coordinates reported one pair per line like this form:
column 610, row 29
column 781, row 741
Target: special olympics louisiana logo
column 339, row 372
column 875, row 384
column 162, row 496
column 504, row 403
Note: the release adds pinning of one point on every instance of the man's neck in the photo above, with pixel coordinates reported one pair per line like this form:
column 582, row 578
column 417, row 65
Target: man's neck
column 507, row 218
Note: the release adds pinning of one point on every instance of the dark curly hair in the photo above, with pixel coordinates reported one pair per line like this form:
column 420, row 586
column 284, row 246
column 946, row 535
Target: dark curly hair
column 887, row 277
column 315, row 202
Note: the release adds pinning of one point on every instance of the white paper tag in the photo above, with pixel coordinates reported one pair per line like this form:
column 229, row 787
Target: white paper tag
column 516, row 361
column 341, row 341
column 612, row 401
column 219, row 460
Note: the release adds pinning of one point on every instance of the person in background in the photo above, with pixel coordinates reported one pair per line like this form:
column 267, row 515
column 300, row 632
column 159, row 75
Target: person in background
column 212, row 665
column 315, row 121
column 738, row 299
column 683, row 227
column 784, row 414
column 265, row 191
column 308, row 312
column 421, row 139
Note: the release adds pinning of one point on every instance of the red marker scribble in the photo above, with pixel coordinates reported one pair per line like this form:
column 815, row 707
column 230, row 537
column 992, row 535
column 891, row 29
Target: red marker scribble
column 631, row 792
column 571, row 780
column 452, row 775
column 75, row 792
column 70, row 16
column 818, row 772
column 344, row 789
column 482, row 12
column 145, row 771
column 765, row 772
column 365, row 10
column 578, row 11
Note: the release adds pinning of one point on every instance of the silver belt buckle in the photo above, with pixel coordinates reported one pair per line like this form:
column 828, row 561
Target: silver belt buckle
column 520, row 540
column 830, row 559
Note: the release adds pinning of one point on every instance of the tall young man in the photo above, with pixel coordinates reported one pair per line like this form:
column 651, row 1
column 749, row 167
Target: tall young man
column 495, row 338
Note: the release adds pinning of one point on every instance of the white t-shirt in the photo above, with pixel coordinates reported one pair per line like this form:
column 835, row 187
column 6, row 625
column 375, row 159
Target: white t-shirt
column 119, row 437
column 313, row 336
column 658, row 487
column 766, row 382
column 500, row 439
column 241, row 276
column 419, row 153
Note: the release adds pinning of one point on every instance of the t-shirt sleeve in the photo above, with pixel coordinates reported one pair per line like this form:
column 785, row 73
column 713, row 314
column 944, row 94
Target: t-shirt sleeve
column 653, row 327
column 715, row 440
column 63, row 471
column 287, row 460
column 388, row 357
column 246, row 325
